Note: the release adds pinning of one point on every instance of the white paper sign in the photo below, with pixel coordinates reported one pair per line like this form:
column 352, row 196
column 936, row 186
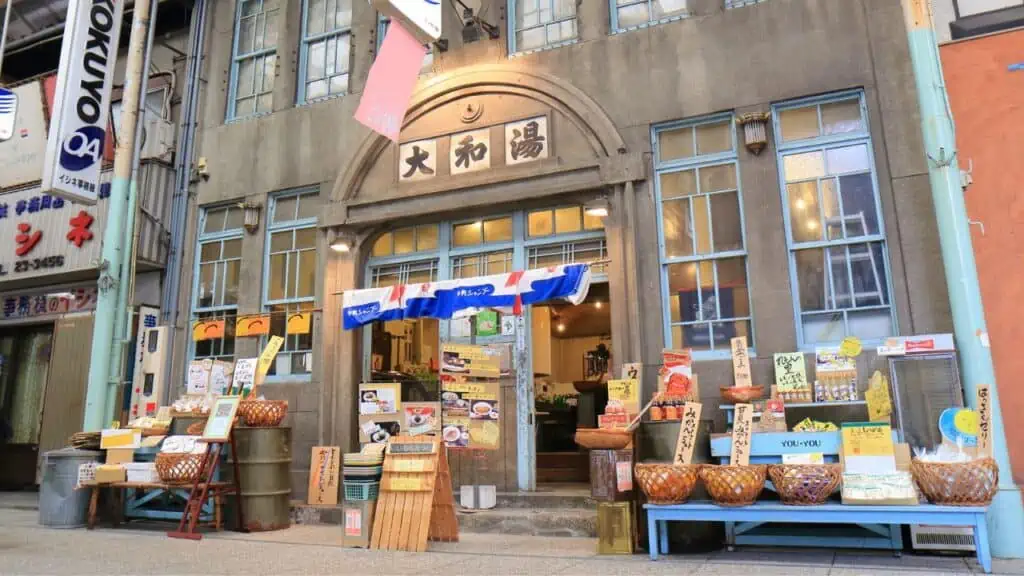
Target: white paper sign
column 220, row 378
column 245, row 374
column 198, row 381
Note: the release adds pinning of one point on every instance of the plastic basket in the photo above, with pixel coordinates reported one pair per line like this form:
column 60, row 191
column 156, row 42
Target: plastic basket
column 361, row 490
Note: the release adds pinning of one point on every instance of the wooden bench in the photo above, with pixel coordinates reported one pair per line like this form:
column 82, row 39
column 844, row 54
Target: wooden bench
column 658, row 518
column 217, row 491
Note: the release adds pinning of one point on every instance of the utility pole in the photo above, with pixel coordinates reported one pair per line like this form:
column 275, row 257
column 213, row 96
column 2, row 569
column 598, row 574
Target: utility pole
column 1006, row 514
column 111, row 272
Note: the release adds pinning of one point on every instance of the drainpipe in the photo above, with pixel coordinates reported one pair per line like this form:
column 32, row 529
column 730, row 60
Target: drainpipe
column 1006, row 515
column 98, row 391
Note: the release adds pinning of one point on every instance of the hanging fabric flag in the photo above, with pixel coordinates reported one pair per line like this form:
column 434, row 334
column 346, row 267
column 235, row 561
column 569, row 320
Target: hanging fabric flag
column 207, row 330
column 299, row 323
column 258, row 325
column 390, row 82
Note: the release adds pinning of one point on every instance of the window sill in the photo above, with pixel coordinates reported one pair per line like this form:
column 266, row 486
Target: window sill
column 238, row 119
column 725, row 354
column 544, row 48
column 289, row 379
column 327, row 98
column 658, row 22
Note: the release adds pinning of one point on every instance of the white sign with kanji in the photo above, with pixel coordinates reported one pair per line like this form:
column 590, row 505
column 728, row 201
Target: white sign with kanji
column 469, row 151
column 417, row 160
column 526, row 140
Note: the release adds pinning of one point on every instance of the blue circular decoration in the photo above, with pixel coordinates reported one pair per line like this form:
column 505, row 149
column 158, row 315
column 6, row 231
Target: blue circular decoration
column 954, row 424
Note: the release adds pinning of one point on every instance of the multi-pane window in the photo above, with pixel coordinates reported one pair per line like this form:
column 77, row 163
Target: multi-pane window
column 834, row 227
column 326, row 48
column 382, row 28
column 587, row 243
column 482, row 232
column 541, row 24
column 254, row 58
column 219, row 262
column 482, row 264
column 418, row 272
column 627, row 14
column 406, row 241
column 703, row 251
column 291, row 274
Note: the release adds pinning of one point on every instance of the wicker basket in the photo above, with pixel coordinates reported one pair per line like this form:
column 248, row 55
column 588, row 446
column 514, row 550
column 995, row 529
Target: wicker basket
column 603, row 439
column 178, row 467
column 666, row 483
column 733, row 485
column 738, row 395
column 155, row 431
column 805, row 484
column 957, row 483
column 196, row 428
column 263, row 413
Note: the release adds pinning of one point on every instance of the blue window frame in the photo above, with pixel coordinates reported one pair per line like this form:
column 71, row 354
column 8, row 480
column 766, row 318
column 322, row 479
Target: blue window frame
column 290, row 276
column 539, row 24
column 633, row 14
column 382, row 28
column 729, row 4
column 701, row 236
column 253, row 60
column 215, row 277
column 325, row 52
column 834, row 229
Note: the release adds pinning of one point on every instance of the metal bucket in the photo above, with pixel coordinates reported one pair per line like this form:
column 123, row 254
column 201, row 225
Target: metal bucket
column 60, row 505
column 264, row 468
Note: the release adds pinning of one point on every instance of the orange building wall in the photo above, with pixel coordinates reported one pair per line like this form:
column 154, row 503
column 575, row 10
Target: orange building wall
column 987, row 99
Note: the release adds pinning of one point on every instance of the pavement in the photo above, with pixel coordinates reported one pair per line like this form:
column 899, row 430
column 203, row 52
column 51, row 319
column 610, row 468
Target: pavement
column 136, row 548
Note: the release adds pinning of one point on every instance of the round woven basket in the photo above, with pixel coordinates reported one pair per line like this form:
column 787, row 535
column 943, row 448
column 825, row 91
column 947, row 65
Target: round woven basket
column 603, row 439
column 805, row 484
column 178, row 467
column 738, row 395
column 733, row 485
column 666, row 483
column 971, row 483
column 263, row 413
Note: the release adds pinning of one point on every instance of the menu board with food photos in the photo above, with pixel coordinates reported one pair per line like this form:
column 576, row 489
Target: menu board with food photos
column 380, row 415
column 477, row 361
column 470, row 395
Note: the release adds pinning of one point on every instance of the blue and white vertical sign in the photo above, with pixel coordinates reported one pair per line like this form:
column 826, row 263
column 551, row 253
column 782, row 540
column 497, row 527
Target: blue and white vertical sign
column 78, row 129
column 8, row 112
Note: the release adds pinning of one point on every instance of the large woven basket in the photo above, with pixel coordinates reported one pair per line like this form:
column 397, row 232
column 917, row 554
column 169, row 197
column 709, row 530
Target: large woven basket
column 733, row 485
column 805, row 484
column 971, row 483
column 666, row 483
column 263, row 413
column 178, row 467
column 603, row 439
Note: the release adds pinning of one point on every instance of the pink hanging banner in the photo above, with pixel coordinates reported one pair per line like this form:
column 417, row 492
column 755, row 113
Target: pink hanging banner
column 390, row 83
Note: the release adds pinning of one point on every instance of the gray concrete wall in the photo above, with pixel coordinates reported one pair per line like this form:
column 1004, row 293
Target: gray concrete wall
column 741, row 60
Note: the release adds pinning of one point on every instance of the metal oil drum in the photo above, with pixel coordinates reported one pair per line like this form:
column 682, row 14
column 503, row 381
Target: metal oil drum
column 264, row 468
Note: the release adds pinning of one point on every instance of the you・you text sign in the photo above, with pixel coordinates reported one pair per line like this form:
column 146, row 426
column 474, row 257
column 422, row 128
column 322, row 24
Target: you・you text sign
column 74, row 149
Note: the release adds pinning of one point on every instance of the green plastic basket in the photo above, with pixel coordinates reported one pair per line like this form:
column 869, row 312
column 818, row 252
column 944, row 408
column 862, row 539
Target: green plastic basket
column 361, row 490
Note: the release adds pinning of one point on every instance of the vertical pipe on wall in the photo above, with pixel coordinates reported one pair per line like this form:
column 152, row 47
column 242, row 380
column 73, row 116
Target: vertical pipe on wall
column 96, row 396
column 1006, row 515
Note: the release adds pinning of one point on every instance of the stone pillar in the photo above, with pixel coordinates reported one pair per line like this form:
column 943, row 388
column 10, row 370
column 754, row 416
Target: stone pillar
column 341, row 357
column 289, row 35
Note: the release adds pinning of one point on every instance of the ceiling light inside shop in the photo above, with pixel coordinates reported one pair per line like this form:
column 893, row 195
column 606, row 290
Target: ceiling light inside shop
column 560, row 327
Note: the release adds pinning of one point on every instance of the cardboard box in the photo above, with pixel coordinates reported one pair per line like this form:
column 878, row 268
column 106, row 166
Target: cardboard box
column 143, row 472
column 120, row 438
column 120, row 455
column 107, row 473
column 358, row 523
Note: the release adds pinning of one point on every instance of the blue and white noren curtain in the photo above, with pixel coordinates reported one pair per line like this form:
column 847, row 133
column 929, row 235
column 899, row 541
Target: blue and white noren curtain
column 467, row 296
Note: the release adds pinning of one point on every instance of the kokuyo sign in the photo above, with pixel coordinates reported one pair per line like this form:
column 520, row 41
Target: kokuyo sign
column 74, row 149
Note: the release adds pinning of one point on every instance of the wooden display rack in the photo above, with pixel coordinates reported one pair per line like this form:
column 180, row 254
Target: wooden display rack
column 415, row 502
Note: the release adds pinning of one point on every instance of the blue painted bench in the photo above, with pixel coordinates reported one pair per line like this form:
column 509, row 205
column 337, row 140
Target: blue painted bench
column 658, row 518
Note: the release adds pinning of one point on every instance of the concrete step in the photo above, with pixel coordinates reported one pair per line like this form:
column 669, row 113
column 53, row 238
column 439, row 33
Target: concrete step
column 544, row 500
column 563, row 522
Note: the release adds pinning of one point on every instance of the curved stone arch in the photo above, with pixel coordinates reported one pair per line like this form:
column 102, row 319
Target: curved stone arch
column 584, row 113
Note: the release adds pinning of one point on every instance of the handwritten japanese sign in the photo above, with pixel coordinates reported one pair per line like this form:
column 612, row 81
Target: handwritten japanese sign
column 199, row 376
column 323, row 475
column 625, row 392
column 526, row 140
column 877, row 396
column 984, row 420
column 687, row 438
column 742, row 428
column 633, row 371
column 470, row 151
column 868, row 448
column 244, row 376
column 417, row 160
column 790, row 372
column 740, row 362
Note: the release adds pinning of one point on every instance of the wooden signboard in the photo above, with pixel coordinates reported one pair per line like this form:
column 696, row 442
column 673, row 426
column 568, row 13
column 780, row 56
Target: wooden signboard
column 740, row 362
column 984, row 421
column 742, row 428
column 687, row 438
column 324, row 471
column 415, row 502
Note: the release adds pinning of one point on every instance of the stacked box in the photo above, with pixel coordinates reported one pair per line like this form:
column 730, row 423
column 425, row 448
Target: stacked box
column 358, row 523
column 611, row 475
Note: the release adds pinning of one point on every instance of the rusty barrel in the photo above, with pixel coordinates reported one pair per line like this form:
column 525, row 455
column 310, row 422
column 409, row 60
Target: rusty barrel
column 264, row 469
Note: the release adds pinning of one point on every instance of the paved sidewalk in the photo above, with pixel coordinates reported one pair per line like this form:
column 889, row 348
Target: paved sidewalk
column 26, row 548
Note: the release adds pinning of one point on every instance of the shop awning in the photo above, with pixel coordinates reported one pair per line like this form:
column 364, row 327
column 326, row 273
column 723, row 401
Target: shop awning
column 467, row 296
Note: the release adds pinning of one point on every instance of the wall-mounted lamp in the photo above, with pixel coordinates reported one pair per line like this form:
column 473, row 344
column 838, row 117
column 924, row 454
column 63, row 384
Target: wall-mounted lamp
column 251, row 216
column 597, row 208
column 755, row 130
column 342, row 242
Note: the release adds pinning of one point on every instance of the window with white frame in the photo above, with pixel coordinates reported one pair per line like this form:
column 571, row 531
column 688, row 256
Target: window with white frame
column 539, row 24
column 291, row 274
column 326, row 49
column 835, row 233
column 629, row 14
column 382, row 28
column 254, row 58
column 702, row 242
column 215, row 290
column 581, row 238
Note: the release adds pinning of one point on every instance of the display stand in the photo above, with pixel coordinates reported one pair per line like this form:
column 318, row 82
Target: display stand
column 416, row 502
column 203, row 487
